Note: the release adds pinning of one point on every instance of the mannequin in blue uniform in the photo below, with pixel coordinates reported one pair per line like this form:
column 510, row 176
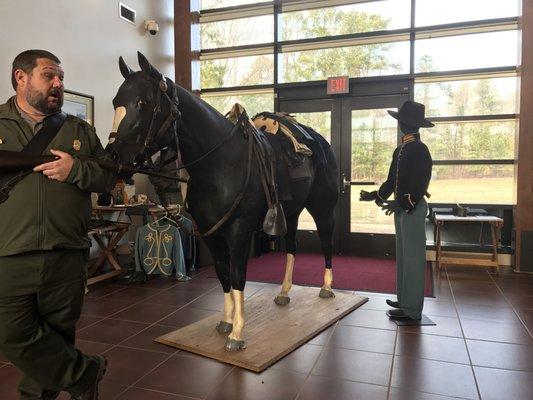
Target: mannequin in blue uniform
column 408, row 178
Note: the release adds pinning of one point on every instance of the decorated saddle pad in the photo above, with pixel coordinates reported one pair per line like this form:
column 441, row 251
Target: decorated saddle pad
column 285, row 124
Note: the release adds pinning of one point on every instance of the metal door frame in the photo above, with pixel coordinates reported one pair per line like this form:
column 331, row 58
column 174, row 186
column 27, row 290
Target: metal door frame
column 312, row 97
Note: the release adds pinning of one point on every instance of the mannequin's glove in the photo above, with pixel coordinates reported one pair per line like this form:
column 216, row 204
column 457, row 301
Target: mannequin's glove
column 367, row 196
column 391, row 207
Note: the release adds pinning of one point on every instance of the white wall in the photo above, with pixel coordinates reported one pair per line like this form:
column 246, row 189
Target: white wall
column 88, row 37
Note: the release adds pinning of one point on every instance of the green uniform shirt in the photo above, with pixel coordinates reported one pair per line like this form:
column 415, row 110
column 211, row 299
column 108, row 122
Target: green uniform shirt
column 41, row 213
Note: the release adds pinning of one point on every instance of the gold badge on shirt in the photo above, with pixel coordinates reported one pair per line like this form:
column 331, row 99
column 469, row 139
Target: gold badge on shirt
column 76, row 145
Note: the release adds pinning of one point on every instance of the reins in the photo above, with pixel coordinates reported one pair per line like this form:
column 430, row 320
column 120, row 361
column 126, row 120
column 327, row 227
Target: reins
column 236, row 202
column 239, row 122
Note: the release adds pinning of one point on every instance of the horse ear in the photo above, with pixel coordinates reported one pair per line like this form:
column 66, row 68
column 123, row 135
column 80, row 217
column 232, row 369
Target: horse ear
column 148, row 68
column 124, row 69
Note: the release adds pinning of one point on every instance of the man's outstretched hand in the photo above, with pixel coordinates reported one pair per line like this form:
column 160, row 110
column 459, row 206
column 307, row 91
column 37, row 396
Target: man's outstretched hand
column 58, row 169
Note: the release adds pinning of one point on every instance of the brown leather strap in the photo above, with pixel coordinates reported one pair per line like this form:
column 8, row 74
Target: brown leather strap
column 263, row 172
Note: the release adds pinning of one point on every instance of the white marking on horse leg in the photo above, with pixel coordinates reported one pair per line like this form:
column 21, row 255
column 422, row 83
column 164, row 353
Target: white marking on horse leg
column 120, row 113
column 238, row 316
column 229, row 307
column 328, row 279
column 287, row 280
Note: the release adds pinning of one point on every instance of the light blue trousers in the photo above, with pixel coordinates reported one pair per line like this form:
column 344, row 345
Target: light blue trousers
column 411, row 258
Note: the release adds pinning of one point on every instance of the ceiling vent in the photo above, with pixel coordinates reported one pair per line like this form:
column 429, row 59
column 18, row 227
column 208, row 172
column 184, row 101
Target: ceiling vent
column 126, row 13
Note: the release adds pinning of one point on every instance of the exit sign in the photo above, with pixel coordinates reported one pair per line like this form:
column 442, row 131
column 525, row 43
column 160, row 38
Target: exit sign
column 339, row 84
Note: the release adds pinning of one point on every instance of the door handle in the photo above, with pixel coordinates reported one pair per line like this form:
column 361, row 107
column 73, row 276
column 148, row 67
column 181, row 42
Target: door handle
column 346, row 183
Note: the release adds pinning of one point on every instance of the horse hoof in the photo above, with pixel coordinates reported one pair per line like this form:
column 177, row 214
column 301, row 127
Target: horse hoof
column 234, row 345
column 224, row 327
column 282, row 300
column 326, row 294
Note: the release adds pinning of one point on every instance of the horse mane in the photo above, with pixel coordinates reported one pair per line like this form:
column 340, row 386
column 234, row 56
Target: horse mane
column 196, row 111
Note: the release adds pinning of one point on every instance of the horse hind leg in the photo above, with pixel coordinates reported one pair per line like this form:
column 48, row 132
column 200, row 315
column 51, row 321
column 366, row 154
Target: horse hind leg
column 220, row 253
column 324, row 220
column 283, row 298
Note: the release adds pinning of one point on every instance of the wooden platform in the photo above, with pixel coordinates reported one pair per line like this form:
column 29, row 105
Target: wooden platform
column 271, row 331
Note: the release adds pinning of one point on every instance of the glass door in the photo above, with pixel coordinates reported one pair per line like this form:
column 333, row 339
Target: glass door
column 369, row 136
column 321, row 116
column 363, row 137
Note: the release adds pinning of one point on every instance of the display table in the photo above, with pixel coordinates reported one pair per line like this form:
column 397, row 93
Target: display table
column 107, row 238
column 154, row 211
column 477, row 260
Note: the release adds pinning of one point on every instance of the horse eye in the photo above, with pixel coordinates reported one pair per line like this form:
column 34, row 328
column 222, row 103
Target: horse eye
column 141, row 103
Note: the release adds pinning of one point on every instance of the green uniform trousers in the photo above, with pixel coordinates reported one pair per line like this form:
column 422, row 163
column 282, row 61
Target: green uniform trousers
column 411, row 258
column 41, row 295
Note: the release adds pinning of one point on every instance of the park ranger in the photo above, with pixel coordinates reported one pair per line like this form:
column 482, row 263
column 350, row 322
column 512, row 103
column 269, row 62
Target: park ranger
column 44, row 217
column 408, row 179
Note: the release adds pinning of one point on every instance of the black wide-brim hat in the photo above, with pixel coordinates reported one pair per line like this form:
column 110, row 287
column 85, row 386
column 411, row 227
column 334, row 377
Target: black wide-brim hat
column 413, row 114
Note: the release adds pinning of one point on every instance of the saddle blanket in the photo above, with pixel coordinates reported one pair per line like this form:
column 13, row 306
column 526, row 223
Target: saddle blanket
column 285, row 123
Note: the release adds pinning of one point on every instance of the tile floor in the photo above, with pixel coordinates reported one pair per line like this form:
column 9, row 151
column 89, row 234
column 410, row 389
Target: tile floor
column 481, row 348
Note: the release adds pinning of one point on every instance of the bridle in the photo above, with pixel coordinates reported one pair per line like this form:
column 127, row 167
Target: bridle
column 152, row 137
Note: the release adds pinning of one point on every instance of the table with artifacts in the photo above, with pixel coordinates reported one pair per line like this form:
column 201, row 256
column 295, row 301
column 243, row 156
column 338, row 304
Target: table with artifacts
column 490, row 260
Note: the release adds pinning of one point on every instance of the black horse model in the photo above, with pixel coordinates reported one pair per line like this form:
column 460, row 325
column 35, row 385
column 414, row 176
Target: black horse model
column 224, row 195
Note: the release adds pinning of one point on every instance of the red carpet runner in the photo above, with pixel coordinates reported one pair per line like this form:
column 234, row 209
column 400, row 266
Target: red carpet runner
column 351, row 273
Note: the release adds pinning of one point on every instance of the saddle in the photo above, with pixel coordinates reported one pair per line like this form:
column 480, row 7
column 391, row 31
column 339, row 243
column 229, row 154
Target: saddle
column 287, row 125
column 290, row 143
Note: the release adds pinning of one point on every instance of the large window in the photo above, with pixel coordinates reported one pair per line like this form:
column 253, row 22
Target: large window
column 468, row 97
column 253, row 102
column 237, row 32
column 473, row 141
column 238, row 71
column 356, row 61
column 472, row 51
column 342, row 20
column 437, row 12
column 461, row 54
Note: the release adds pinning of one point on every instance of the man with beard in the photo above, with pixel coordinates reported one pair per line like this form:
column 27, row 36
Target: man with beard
column 43, row 236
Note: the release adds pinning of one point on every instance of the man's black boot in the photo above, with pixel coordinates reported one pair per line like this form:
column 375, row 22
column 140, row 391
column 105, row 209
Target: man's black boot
column 92, row 391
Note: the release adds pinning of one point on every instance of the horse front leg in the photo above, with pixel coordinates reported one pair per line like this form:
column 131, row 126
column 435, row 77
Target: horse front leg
column 235, row 339
column 240, row 236
column 283, row 298
column 226, row 324
column 219, row 251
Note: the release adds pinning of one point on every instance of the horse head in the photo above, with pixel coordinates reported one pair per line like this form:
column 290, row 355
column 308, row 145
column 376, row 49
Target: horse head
column 145, row 113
